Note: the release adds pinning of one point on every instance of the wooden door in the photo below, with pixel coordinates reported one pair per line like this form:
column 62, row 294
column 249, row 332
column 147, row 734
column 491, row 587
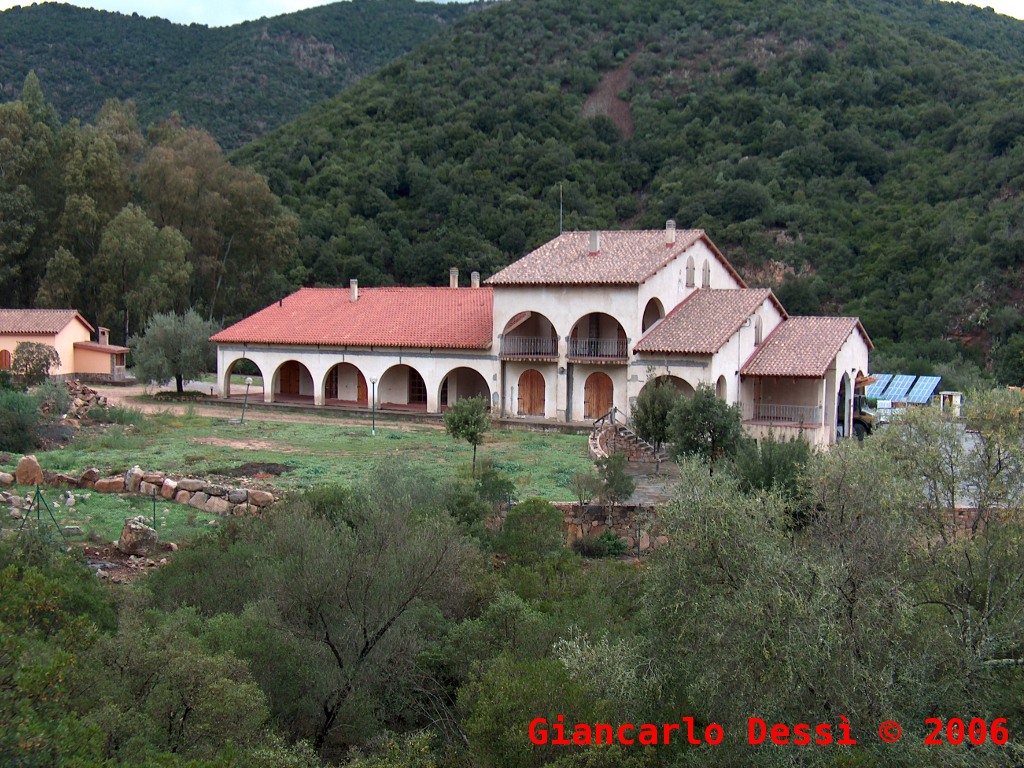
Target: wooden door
column 5, row 359
column 531, row 393
column 361, row 389
column 331, row 387
column 289, row 378
column 597, row 396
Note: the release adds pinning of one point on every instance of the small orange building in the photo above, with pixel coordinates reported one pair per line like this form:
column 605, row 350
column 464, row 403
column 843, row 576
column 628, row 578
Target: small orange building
column 70, row 334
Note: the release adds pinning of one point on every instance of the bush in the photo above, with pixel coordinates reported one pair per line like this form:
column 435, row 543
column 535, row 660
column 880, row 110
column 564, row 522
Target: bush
column 532, row 530
column 19, row 422
column 53, row 397
column 772, row 464
column 32, row 362
column 605, row 545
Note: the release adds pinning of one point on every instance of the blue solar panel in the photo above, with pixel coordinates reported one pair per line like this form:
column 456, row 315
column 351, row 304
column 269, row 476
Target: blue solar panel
column 897, row 391
column 922, row 391
column 877, row 388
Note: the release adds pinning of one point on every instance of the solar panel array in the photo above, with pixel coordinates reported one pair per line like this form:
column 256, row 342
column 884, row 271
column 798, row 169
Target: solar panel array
column 903, row 388
column 923, row 388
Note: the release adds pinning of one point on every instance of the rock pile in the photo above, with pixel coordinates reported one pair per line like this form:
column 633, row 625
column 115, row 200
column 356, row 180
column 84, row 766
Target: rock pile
column 83, row 400
column 137, row 538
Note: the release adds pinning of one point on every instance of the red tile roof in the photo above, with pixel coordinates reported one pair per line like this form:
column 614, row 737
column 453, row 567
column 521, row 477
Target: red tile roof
column 93, row 346
column 624, row 258
column 38, row 321
column 803, row 347
column 455, row 318
column 705, row 321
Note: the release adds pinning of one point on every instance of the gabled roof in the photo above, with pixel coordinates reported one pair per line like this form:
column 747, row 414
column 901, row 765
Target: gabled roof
column 624, row 258
column 705, row 321
column 38, row 321
column 455, row 318
column 803, row 347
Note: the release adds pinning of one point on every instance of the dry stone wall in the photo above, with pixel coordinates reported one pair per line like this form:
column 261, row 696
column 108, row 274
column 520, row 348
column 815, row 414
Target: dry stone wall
column 204, row 495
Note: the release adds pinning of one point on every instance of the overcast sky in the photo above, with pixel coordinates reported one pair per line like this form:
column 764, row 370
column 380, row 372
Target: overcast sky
column 224, row 12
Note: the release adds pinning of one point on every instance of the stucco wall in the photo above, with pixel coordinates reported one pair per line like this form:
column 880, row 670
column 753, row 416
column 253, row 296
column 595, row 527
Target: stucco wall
column 63, row 342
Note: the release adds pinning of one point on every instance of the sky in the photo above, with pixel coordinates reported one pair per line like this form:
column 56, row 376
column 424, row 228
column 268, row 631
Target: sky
column 226, row 12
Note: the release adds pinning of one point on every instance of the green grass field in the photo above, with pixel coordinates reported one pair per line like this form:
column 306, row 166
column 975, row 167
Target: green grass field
column 538, row 463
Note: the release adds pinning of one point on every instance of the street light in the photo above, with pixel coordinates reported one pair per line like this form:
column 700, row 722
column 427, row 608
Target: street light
column 245, row 402
column 373, row 407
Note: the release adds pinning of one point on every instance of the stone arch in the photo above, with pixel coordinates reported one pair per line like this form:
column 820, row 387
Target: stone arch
column 255, row 388
column 722, row 389
column 345, row 384
column 460, row 383
column 532, row 393
column 691, row 269
column 705, row 279
column 598, row 395
column 653, row 312
column 402, row 386
column 680, row 385
column 293, row 383
column 529, row 335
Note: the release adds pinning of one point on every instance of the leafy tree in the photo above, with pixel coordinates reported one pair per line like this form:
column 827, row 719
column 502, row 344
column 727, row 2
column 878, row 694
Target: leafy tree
column 174, row 347
column 32, row 362
column 585, row 486
column 468, row 419
column 705, row 426
column 532, row 531
column 651, row 412
column 616, row 484
column 772, row 463
column 1009, row 361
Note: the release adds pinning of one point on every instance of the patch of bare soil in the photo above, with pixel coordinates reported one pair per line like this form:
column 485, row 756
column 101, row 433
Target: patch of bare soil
column 244, row 445
column 112, row 564
column 605, row 99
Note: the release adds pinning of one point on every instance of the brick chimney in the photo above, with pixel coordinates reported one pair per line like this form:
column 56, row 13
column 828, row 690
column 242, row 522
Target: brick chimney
column 595, row 242
column 670, row 233
column 353, row 287
column 103, row 336
column 453, row 277
column 475, row 279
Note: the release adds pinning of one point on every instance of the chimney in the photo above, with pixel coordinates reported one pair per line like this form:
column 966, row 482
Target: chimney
column 670, row 233
column 475, row 279
column 103, row 336
column 453, row 277
column 353, row 287
column 595, row 242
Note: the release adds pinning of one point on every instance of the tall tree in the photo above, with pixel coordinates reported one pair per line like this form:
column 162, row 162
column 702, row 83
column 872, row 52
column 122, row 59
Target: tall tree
column 174, row 347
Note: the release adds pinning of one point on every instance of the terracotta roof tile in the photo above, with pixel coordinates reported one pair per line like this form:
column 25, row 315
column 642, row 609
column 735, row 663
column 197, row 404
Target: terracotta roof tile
column 93, row 346
column 624, row 258
column 41, row 321
column 704, row 321
column 456, row 318
column 803, row 347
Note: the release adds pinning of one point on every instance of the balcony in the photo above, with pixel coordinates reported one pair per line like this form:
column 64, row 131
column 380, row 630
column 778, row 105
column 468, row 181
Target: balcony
column 779, row 413
column 605, row 350
column 529, row 348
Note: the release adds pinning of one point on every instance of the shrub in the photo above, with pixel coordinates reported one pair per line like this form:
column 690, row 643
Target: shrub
column 32, row 362
column 532, row 530
column 772, row 464
column 605, row 545
column 19, row 422
column 53, row 397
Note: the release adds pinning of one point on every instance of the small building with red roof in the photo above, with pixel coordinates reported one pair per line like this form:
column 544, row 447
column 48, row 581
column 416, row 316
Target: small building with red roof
column 567, row 333
column 70, row 334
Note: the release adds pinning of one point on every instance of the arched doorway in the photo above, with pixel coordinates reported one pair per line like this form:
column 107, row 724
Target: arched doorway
column 241, row 369
column 5, row 359
column 402, row 386
column 598, row 395
column 531, row 393
column 529, row 336
column 293, row 383
column 652, row 314
column 346, row 385
column 722, row 389
column 598, row 336
column 843, row 410
column 460, row 384
column 680, row 385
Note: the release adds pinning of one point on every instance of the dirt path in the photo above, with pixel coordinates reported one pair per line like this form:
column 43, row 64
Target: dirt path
column 128, row 397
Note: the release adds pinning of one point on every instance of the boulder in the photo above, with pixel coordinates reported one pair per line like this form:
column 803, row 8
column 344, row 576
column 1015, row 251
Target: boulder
column 241, row 509
column 109, row 485
column 28, row 471
column 215, row 490
column 217, row 505
column 190, row 485
column 168, row 488
column 73, row 530
column 198, row 500
column 183, row 497
column 133, row 479
column 237, row 496
column 154, row 478
column 6, row 479
column 137, row 538
column 89, row 478
column 148, row 489
column 261, row 498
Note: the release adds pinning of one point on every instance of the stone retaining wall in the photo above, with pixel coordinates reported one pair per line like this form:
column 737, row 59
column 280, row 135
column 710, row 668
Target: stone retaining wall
column 199, row 494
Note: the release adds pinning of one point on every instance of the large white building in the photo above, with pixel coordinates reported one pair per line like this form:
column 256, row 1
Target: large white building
column 572, row 329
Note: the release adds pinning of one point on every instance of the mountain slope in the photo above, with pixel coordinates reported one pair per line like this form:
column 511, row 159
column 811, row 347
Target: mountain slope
column 237, row 82
column 852, row 154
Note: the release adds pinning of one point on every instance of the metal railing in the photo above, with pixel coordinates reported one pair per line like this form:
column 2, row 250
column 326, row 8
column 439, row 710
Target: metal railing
column 529, row 346
column 608, row 349
column 809, row 415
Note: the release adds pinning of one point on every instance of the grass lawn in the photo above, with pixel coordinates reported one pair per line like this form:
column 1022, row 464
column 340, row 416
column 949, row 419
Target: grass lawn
column 538, row 463
column 101, row 515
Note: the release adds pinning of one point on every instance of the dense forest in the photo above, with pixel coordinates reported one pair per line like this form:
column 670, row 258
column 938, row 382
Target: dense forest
column 860, row 157
column 236, row 82
column 385, row 625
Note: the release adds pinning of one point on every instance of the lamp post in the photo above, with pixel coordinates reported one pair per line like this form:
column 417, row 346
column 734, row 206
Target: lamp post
column 245, row 402
column 373, row 408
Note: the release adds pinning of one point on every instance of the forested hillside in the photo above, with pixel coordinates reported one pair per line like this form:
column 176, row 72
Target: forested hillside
column 236, row 82
column 860, row 157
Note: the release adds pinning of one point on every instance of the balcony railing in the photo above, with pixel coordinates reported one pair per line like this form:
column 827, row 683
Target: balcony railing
column 600, row 349
column 529, row 346
column 809, row 415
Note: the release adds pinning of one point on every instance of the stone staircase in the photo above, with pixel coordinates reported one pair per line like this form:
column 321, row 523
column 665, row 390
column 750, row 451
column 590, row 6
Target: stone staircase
column 610, row 436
